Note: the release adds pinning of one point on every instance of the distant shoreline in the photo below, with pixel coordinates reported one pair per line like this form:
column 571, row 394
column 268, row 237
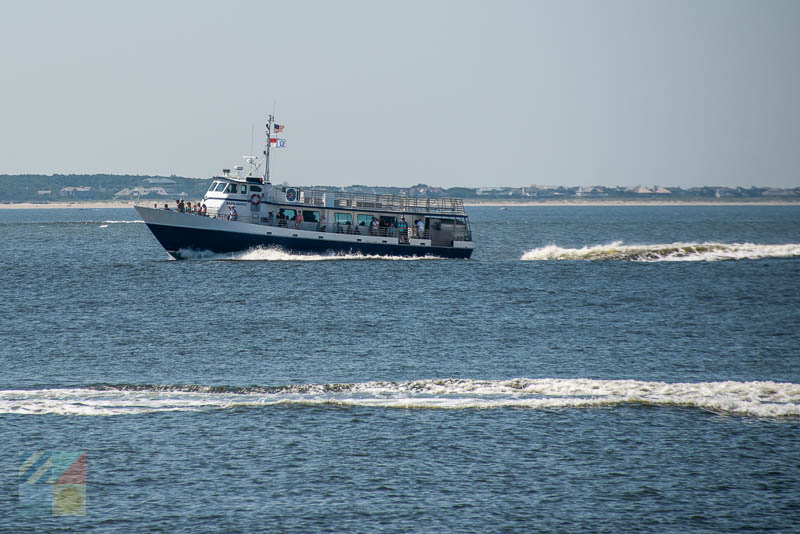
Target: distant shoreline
column 97, row 204
column 631, row 202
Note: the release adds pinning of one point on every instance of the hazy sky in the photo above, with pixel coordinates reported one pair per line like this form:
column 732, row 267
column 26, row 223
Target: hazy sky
column 461, row 93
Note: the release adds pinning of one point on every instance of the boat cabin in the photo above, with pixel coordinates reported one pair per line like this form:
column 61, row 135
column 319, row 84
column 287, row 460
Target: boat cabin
column 434, row 221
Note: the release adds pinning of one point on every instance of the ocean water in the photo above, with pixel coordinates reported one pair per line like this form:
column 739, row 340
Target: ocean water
column 591, row 369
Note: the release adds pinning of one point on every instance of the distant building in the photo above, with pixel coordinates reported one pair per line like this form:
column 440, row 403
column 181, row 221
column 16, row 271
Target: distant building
column 640, row 190
column 159, row 181
column 44, row 192
column 167, row 184
column 142, row 192
column 78, row 193
column 591, row 192
column 776, row 192
column 725, row 192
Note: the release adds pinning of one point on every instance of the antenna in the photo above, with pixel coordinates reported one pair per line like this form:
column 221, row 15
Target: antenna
column 266, row 152
column 252, row 129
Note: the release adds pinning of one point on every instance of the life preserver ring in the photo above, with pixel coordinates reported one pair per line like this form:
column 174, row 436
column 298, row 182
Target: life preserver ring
column 291, row 194
column 255, row 200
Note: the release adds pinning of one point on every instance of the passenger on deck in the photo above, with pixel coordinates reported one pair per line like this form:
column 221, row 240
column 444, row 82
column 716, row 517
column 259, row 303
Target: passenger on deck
column 204, row 211
column 155, row 206
column 349, row 228
column 402, row 227
column 420, row 229
column 180, row 206
column 298, row 219
column 188, row 207
column 270, row 219
column 281, row 218
column 321, row 223
column 234, row 216
column 390, row 230
column 373, row 226
column 166, row 207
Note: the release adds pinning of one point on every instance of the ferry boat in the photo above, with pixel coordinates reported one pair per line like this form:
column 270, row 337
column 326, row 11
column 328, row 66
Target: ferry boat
column 245, row 211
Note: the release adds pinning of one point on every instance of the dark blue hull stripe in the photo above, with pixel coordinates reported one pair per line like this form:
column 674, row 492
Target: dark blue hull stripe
column 174, row 238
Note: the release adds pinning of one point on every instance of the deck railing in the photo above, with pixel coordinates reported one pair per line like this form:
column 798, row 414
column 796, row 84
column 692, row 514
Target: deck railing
column 367, row 201
column 382, row 231
column 401, row 203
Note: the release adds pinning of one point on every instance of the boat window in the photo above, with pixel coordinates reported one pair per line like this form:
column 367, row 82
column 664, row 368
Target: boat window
column 386, row 221
column 220, row 186
column 310, row 216
column 244, row 189
column 442, row 225
column 231, row 188
column 254, row 188
column 344, row 218
column 289, row 214
column 212, row 186
column 364, row 220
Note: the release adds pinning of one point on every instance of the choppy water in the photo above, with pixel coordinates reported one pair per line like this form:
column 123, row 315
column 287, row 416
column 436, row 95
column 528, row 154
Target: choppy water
column 612, row 369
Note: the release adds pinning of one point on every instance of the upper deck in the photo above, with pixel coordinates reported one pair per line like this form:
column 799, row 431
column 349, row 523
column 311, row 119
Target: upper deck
column 366, row 201
column 309, row 196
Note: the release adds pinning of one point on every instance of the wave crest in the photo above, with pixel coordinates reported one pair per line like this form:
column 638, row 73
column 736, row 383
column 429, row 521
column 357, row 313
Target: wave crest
column 759, row 399
column 708, row 251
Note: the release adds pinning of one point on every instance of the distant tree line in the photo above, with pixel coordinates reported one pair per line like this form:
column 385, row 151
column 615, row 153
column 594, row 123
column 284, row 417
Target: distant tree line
column 42, row 188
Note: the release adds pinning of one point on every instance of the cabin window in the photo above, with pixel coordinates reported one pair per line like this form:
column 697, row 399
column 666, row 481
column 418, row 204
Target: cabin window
column 289, row 214
column 220, row 187
column 344, row 218
column 364, row 220
column 310, row 216
column 231, row 188
column 255, row 188
column 442, row 225
column 386, row 221
column 212, row 186
column 244, row 190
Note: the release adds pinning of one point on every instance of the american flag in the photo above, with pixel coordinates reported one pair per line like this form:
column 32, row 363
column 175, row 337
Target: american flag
column 278, row 128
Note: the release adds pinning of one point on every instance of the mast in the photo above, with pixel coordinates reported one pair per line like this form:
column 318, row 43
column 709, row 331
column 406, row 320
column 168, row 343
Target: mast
column 266, row 152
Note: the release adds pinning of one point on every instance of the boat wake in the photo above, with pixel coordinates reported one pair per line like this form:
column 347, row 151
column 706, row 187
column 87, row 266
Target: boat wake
column 758, row 399
column 666, row 252
column 279, row 254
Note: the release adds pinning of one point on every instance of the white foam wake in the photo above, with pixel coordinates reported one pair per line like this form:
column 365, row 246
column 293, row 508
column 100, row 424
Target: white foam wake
column 760, row 399
column 279, row 254
column 665, row 252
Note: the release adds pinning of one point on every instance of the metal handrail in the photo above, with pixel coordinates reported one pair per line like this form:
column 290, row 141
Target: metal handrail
column 398, row 203
column 452, row 206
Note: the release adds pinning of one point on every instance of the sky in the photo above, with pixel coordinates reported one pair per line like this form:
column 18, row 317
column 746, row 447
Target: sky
column 377, row 92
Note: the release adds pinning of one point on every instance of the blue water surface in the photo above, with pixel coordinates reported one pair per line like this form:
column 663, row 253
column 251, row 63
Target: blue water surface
column 93, row 303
